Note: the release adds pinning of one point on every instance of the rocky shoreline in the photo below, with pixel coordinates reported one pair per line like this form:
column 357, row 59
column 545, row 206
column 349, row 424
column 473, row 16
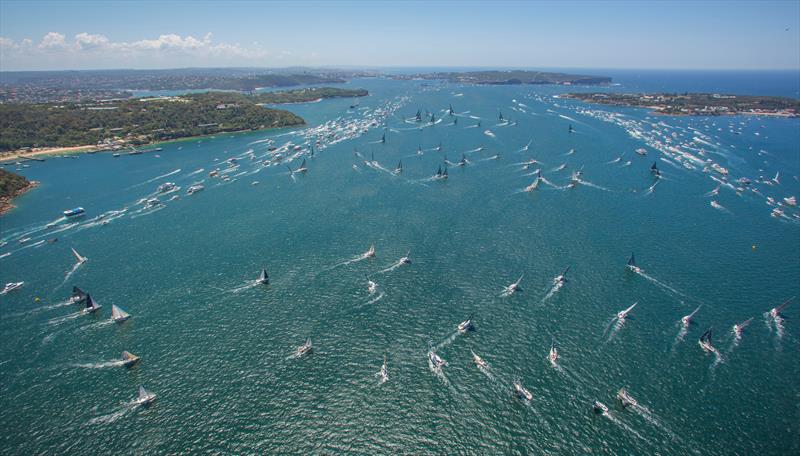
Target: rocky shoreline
column 7, row 202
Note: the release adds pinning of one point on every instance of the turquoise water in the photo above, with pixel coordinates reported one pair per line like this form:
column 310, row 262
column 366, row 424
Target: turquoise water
column 218, row 352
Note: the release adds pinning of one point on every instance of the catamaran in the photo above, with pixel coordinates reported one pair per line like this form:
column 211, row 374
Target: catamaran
column 145, row 397
column 479, row 361
column 621, row 315
column 118, row 315
column 263, row 278
column 632, row 265
column 304, row 349
column 466, row 325
column 435, row 360
column 129, row 359
column 81, row 259
column 553, row 355
column 78, row 295
column 625, row 399
column 522, row 392
column 687, row 319
column 705, row 342
column 91, row 305
column 11, row 286
column 776, row 312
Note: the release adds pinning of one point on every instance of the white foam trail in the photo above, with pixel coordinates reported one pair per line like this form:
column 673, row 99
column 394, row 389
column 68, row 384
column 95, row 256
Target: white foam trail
column 553, row 290
column 97, row 324
column 489, row 134
column 568, row 118
column 589, row 184
column 156, row 178
column 62, row 319
column 376, row 299
column 392, row 267
column 110, row 418
column 660, row 284
column 652, row 187
column 102, row 365
column 75, row 267
column 195, row 172
column 679, row 337
column 246, row 286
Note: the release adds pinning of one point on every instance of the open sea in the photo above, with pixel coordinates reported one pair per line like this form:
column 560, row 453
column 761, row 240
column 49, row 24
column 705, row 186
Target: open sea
column 218, row 350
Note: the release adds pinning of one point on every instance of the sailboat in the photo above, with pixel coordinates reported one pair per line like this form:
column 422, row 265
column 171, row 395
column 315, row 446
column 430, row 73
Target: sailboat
column 399, row 168
column 450, row 111
column 406, row 259
column 145, row 397
column 705, row 342
column 479, row 361
column 535, row 184
column 776, row 312
column 383, row 374
column 624, row 398
column 78, row 295
column 654, row 170
column 129, row 359
column 514, row 287
column 91, row 305
column 522, row 392
column 687, row 319
column 738, row 328
column 418, row 117
column 466, row 325
column 302, row 167
column 383, row 139
column 372, row 287
column 561, row 279
column 621, row 315
column 553, row 355
column 436, row 361
column 118, row 315
column 304, row 349
column 263, row 278
column 571, row 130
column 81, row 259
column 632, row 265
column 370, row 252
column 501, row 116
column 433, row 118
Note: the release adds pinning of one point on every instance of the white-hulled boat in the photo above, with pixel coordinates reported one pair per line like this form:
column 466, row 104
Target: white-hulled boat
column 78, row 295
column 194, row 189
column 466, row 325
column 370, row 253
column 621, row 315
column 91, row 305
column 514, row 287
column 304, row 349
column 263, row 278
column 687, row 319
column 599, row 408
column 372, row 287
column 406, row 259
column 624, row 398
column 145, row 397
column 118, row 315
column 129, row 359
column 81, row 259
column 561, row 279
column 776, row 312
column 479, row 361
column 738, row 328
column 383, row 374
column 11, row 286
column 553, row 355
column 632, row 264
column 522, row 392
column 436, row 361
column 705, row 342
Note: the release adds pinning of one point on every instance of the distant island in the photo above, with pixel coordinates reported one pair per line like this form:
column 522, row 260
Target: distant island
column 118, row 124
column 11, row 186
column 510, row 77
column 696, row 104
column 307, row 95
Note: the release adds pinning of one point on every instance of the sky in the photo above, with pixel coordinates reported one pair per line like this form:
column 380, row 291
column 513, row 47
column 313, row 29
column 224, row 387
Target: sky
column 58, row 35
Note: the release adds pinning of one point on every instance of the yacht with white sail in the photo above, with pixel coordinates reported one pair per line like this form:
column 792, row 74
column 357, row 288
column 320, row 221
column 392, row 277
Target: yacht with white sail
column 145, row 397
column 129, row 359
column 118, row 315
column 304, row 349
column 78, row 257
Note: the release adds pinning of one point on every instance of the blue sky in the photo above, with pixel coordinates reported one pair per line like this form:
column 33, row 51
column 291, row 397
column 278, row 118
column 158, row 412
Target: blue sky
column 647, row 34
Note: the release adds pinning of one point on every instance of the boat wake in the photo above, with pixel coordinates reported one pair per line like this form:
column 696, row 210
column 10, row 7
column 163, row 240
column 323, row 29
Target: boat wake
column 65, row 318
column 662, row 285
column 171, row 173
column 651, row 188
column 248, row 285
column 553, row 290
column 115, row 363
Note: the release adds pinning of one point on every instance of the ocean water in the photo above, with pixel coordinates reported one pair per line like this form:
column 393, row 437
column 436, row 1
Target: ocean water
column 218, row 351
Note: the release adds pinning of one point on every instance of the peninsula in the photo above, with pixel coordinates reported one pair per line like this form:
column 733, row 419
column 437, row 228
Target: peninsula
column 510, row 77
column 696, row 104
column 11, row 186
column 117, row 123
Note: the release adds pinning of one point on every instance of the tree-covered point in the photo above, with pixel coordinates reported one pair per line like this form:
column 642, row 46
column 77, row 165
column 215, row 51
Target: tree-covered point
column 308, row 94
column 699, row 104
column 11, row 184
column 136, row 121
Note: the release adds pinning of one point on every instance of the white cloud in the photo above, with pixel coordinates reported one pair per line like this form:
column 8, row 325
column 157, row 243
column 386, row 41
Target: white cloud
column 86, row 50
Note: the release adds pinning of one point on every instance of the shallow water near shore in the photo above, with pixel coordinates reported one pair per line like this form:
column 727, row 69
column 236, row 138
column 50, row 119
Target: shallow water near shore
column 217, row 350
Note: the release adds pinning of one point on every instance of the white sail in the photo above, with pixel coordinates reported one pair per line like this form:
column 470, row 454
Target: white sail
column 78, row 256
column 117, row 314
